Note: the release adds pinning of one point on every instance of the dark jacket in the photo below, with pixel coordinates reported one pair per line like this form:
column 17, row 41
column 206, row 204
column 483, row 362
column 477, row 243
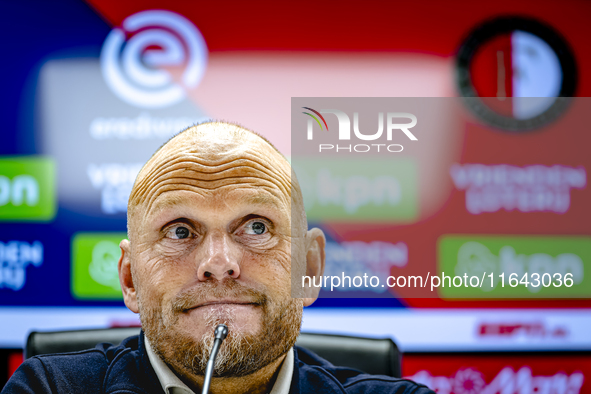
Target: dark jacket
column 126, row 369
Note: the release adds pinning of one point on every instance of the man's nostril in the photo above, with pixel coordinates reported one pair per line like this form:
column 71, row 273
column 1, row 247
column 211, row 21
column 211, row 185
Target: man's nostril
column 207, row 274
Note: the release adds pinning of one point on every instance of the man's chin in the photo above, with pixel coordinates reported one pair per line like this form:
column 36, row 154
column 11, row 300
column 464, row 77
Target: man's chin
column 257, row 336
column 241, row 319
column 238, row 356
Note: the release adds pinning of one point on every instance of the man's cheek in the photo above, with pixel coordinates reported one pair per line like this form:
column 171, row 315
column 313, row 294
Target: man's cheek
column 254, row 260
column 277, row 261
column 271, row 269
column 161, row 273
column 172, row 249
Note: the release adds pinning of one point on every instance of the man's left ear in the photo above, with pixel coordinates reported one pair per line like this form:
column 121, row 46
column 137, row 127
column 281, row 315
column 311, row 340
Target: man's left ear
column 315, row 259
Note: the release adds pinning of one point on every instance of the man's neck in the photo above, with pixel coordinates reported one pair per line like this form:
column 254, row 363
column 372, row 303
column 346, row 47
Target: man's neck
column 259, row 382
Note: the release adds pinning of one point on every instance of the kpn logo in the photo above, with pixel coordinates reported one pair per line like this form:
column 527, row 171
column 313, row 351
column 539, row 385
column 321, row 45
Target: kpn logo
column 27, row 189
column 153, row 58
column 361, row 189
column 94, row 265
column 516, row 266
column 373, row 142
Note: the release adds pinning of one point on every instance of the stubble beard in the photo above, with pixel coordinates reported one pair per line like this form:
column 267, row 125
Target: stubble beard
column 241, row 354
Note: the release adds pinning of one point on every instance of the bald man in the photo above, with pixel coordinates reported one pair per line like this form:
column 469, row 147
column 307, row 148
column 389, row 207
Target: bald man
column 216, row 224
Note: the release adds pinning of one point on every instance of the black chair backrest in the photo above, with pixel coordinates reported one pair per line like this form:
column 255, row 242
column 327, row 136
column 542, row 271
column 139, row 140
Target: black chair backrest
column 374, row 356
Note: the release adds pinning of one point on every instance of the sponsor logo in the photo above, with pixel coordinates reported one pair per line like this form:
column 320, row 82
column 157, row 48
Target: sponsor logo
column 136, row 58
column 371, row 189
column 393, row 124
column 490, row 188
column 507, row 381
column 27, row 189
column 115, row 182
column 142, row 127
column 534, row 330
column 15, row 256
column 520, row 267
column 94, row 265
column 357, row 258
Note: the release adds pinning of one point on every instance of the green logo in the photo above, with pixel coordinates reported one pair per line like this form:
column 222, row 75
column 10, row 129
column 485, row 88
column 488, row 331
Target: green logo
column 94, row 265
column 358, row 190
column 515, row 267
column 27, row 189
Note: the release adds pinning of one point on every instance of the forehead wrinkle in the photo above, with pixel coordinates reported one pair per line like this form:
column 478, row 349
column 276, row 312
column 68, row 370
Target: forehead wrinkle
column 173, row 185
column 194, row 167
column 262, row 199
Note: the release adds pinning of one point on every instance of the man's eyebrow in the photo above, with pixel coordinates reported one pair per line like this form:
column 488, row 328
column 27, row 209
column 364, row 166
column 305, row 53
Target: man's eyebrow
column 262, row 199
column 256, row 199
column 165, row 202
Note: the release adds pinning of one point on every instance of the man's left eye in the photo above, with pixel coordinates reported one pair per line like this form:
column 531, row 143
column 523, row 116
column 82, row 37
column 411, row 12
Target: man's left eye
column 256, row 228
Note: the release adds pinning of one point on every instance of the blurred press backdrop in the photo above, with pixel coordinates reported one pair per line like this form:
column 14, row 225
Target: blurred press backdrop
column 92, row 88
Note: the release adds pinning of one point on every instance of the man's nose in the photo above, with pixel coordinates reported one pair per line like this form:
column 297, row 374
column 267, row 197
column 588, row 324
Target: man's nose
column 220, row 258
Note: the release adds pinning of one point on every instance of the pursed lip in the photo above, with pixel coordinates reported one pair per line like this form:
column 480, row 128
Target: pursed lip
column 223, row 302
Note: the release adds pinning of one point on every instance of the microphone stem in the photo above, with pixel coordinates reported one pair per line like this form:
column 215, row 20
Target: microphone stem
column 210, row 365
column 220, row 334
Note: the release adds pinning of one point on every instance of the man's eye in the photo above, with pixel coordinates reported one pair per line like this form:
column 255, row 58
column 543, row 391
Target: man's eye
column 256, row 228
column 179, row 233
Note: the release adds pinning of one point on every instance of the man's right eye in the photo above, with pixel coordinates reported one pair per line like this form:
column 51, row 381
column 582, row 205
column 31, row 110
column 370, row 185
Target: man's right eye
column 178, row 232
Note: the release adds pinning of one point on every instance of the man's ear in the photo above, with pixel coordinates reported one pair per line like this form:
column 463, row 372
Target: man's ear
column 125, row 278
column 315, row 259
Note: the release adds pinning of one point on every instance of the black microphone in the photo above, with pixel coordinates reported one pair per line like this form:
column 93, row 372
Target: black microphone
column 221, row 331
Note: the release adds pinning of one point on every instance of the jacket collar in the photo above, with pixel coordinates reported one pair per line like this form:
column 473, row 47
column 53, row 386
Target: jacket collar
column 129, row 368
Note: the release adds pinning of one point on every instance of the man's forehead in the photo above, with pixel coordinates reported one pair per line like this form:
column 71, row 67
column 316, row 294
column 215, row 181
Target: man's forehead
column 205, row 159
column 215, row 143
column 212, row 140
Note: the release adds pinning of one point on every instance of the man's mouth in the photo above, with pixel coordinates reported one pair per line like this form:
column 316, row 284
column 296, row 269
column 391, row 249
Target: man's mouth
column 221, row 303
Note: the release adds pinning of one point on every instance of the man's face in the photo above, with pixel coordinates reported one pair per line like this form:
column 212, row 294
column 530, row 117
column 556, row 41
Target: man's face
column 213, row 245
